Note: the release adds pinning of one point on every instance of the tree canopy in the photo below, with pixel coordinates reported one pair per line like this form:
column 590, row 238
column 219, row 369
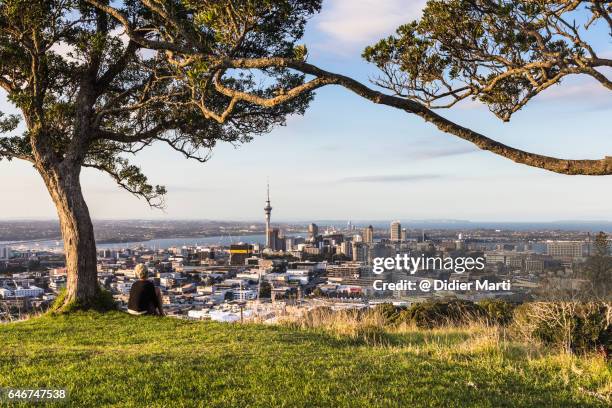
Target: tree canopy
column 97, row 84
column 502, row 53
column 192, row 73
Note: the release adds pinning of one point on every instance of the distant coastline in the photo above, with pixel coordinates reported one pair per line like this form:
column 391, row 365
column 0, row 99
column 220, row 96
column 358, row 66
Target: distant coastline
column 129, row 232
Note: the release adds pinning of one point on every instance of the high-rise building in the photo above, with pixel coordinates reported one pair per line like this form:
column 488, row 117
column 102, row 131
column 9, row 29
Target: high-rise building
column 360, row 252
column 396, row 231
column 268, row 212
column 289, row 243
column 313, row 231
column 346, row 248
column 274, row 240
column 368, row 234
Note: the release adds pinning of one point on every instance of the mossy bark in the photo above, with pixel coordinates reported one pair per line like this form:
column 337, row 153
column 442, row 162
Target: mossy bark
column 82, row 289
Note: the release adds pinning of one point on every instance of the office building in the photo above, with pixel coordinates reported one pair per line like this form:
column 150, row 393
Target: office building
column 360, row 252
column 368, row 235
column 396, row 231
column 313, row 231
column 565, row 249
column 346, row 248
column 274, row 240
column 346, row 270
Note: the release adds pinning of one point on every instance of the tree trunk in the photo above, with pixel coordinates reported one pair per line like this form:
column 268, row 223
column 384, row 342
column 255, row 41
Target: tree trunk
column 63, row 183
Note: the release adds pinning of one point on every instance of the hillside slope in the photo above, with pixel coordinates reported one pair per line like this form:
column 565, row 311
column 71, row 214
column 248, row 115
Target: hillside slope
column 120, row 360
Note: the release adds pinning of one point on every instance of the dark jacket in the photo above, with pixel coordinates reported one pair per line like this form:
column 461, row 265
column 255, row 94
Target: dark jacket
column 143, row 297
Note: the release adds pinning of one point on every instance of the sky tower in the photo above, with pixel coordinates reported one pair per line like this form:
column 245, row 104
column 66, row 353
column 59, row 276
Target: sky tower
column 268, row 211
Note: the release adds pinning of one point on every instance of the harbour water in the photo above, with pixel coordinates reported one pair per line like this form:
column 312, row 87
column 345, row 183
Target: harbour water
column 224, row 240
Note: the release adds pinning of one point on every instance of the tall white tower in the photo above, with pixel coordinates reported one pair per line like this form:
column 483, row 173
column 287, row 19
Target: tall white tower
column 268, row 211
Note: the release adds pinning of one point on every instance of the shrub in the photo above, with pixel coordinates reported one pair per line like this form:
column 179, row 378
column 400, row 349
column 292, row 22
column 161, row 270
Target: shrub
column 314, row 317
column 433, row 314
column 497, row 311
column 388, row 312
column 573, row 326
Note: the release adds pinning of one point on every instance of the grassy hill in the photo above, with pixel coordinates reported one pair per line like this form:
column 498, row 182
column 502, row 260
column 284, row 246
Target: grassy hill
column 120, row 360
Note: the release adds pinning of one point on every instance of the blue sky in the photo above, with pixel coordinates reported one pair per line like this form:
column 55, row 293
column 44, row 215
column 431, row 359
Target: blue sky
column 347, row 158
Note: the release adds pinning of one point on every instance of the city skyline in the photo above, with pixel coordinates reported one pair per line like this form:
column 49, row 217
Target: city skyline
column 348, row 159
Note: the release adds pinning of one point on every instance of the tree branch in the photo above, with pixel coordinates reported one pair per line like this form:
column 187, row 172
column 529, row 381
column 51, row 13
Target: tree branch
column 285, row 96
column 111, row 73
column 557, row 165
column 131, row 179
column 9, row 154
column 133, row 35
column 184, row 147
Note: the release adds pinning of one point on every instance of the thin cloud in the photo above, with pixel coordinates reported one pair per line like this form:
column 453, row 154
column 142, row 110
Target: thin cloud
column 428, row 148
column 445, row 152
column 192, row 189
column 582, row 90
column 360, row 22
column 391, row 178
column 330, row 148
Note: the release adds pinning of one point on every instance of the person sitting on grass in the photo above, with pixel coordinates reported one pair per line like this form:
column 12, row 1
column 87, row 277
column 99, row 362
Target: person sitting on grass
column 145, row 298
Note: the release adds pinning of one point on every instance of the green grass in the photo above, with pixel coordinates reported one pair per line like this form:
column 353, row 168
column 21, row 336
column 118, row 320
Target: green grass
column 115, row 359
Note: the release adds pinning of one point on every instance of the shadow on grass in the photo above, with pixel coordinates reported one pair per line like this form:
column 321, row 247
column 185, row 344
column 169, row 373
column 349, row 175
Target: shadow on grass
column 276, row 375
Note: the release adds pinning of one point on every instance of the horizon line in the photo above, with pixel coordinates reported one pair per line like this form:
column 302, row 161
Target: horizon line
column 329, row 220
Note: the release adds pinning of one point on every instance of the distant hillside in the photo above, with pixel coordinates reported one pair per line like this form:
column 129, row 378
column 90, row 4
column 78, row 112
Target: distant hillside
column 121, row 360
column 114, row 231
column 464, row 225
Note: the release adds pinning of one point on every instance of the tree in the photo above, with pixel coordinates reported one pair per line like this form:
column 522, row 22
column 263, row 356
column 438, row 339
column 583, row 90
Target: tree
column 318, row 292
column 265, row 289
column 598, row 268
column 95, row 85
